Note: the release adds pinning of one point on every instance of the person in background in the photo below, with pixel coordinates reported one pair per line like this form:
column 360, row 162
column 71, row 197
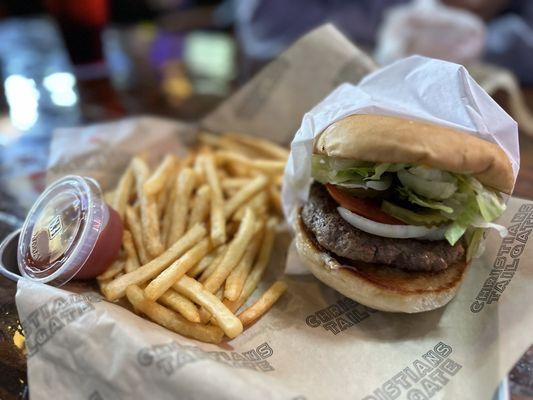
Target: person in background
column 266, row 27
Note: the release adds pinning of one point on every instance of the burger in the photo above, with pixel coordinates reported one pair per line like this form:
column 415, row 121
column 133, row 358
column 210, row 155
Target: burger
column 398, row 208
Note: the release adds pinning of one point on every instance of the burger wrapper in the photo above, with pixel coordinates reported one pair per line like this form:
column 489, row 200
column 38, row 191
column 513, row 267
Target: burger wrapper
column 417, row 88
column 314, row 343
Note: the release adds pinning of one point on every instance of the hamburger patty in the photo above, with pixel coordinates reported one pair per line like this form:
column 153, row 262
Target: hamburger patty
column 320, row 216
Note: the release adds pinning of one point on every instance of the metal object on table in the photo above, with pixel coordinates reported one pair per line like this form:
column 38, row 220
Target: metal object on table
column 8, row 256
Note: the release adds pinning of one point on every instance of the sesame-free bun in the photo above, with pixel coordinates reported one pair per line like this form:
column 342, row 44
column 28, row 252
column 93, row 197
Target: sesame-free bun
column 385, row 139
column 379, row 286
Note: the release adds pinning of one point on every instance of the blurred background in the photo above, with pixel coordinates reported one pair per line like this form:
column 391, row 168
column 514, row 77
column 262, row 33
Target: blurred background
column 70, row 62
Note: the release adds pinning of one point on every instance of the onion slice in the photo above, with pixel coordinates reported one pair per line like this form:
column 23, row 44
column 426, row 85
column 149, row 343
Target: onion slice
column 391, row 231
column 382, row 184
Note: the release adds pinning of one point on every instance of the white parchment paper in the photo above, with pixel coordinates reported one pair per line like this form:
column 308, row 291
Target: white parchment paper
column 416, row 87
column 314, row 344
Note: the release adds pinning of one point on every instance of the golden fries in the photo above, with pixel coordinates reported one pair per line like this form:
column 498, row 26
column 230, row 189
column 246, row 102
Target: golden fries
column 149, row 216
column 244, row 194
column 237, row 277
column 218, row 220
column 184, row 187
column 133, row 224
column 200, row 206
column 266, row 166
column 112, row 271
column 263, row 304
column 132, row 261
column 198, row 236
column 205, row 262
column 258, row 204
column 194, row 290
column 214, row 264
column 123, row 192
column 180, row 304
column 156, row 182
column 233, row 254
column 176, row 270
column 263, row 146
column 257, row 270
column 166, row 216
column 171, row 320
column 117, row 288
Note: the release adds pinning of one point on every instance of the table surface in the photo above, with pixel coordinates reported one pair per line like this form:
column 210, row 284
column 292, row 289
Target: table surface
column 100, row 100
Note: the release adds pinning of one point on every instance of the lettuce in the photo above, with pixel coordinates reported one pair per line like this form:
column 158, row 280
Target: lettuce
column 412, row 197
column 426, row 218
column 462, row 221
column 432, row 189
column 440, row 196
column 474, row 239
column 352, row 173
column 333, row 170
column 432, row 174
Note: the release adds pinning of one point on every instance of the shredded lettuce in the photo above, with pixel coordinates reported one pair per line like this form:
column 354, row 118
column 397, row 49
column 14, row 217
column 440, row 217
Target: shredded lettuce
column 474, row 239
column 427, row 218
column 334, row 170
column 351, row 173
column 439, row 197
column 432, row 174
column 463, row 220
column 432, row 189
column 409, row 195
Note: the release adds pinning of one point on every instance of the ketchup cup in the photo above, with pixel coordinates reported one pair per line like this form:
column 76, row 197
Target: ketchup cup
column 69, row 233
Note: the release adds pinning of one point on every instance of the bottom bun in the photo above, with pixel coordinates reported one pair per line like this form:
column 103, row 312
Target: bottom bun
column 379, row 286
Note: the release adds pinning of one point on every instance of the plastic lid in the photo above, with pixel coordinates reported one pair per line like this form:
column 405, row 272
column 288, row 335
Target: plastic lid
column 61, row 230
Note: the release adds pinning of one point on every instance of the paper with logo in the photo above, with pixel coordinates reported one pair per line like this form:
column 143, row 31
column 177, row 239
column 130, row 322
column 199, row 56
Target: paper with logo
column 273, row 103
column 314, row 343
column 416, row 87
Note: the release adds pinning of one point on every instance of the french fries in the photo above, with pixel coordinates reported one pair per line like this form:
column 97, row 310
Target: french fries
column 176, row 270
column 213, row 265
column 271, row 167
column 112, row 271
column 184, row 187
column 149, row 216
column 263, row 304
column 180, row 304
column 171, row 320
column 200, row 206
column 237, row 277
column 134, row 225
column 199, row 232
column 195, row 291
column 218, row 220
column 117, row 288
column 132, row 261
column 123, row 192
column 268, row 149
column 233, row 254
column 257, row 270
column 244, row 194
column 156, row 182
column 205, row 262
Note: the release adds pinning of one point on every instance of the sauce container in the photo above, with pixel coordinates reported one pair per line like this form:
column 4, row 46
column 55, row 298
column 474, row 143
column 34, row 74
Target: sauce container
column 69, row 233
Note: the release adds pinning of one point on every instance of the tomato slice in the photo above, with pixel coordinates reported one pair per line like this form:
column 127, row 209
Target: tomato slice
column 368, row 208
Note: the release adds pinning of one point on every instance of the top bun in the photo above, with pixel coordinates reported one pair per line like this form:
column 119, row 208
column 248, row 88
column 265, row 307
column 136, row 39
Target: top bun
column 379, row 138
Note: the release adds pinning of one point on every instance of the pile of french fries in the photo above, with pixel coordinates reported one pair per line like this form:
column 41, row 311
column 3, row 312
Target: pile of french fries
column 198, row 236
